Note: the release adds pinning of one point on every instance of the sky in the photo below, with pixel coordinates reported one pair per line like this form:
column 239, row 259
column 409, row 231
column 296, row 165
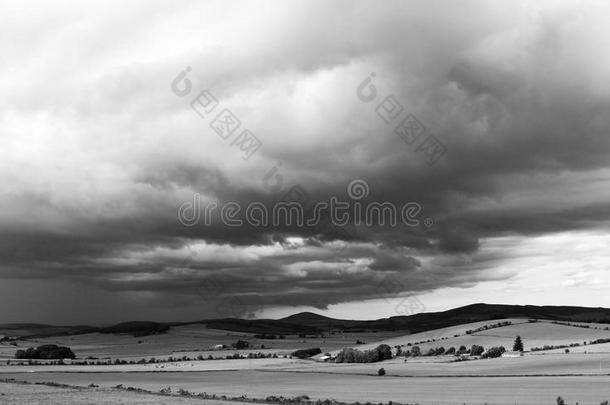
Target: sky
column 111, row 145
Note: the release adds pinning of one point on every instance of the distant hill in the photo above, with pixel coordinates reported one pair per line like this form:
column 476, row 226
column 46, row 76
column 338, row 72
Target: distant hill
column 310, row 323
column 268, row 326
column 12, row 326
column 307, row 317
column 33, row 330
column 137, row 328
column 471, row 313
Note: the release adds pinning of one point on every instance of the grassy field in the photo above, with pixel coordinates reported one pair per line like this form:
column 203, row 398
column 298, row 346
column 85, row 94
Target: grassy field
column 189, row 340
column 197, row 339
column 535, row 378
column 352, row 388
column 530, row 364
column 16, row 394
column 533, row 334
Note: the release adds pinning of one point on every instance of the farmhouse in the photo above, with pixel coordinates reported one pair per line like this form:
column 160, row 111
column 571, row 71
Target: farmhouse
column 322, row 358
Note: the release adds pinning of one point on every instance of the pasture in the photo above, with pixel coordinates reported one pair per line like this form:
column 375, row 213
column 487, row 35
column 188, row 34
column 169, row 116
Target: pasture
column 356, row 388
column 535, row 378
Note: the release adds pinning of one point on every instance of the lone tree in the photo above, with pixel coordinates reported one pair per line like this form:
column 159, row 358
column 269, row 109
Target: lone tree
column 518, row 346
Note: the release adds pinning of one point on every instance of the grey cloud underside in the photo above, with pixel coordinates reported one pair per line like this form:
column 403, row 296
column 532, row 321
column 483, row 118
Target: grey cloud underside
column 525, row 128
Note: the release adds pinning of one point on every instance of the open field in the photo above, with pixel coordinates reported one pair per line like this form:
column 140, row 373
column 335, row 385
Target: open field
column 14, row 394
column 535, row 334
column 188, row 340
column 353, row 388
column 530, row 364
column 537, row 377
column 196, row 339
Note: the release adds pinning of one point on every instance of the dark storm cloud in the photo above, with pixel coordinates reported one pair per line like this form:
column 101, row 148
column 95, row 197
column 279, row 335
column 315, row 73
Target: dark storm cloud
column 100, row 154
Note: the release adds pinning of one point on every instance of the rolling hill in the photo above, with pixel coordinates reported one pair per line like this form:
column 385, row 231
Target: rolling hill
column 314, row 324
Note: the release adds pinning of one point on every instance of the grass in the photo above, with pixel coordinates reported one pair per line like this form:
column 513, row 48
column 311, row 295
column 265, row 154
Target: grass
column 534, row 378
column 167, row 392
column 188, row 340
column 495, row 392
column 536, row 334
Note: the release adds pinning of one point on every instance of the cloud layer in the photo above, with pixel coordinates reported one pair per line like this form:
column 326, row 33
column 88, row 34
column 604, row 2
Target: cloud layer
column 98, row 153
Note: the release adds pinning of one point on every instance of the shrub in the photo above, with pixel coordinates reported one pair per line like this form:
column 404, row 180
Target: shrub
column 436, row 351
column 476, row 350
column 345, row 356
column 265, row 336
column 371, row 356
column 415, row 351
column 240, row 344
column 349, row 355
column 385, row 352
column 560, row 401
column 381, row 371
column 46, row 352
column 306, row 353
column 494, row 352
